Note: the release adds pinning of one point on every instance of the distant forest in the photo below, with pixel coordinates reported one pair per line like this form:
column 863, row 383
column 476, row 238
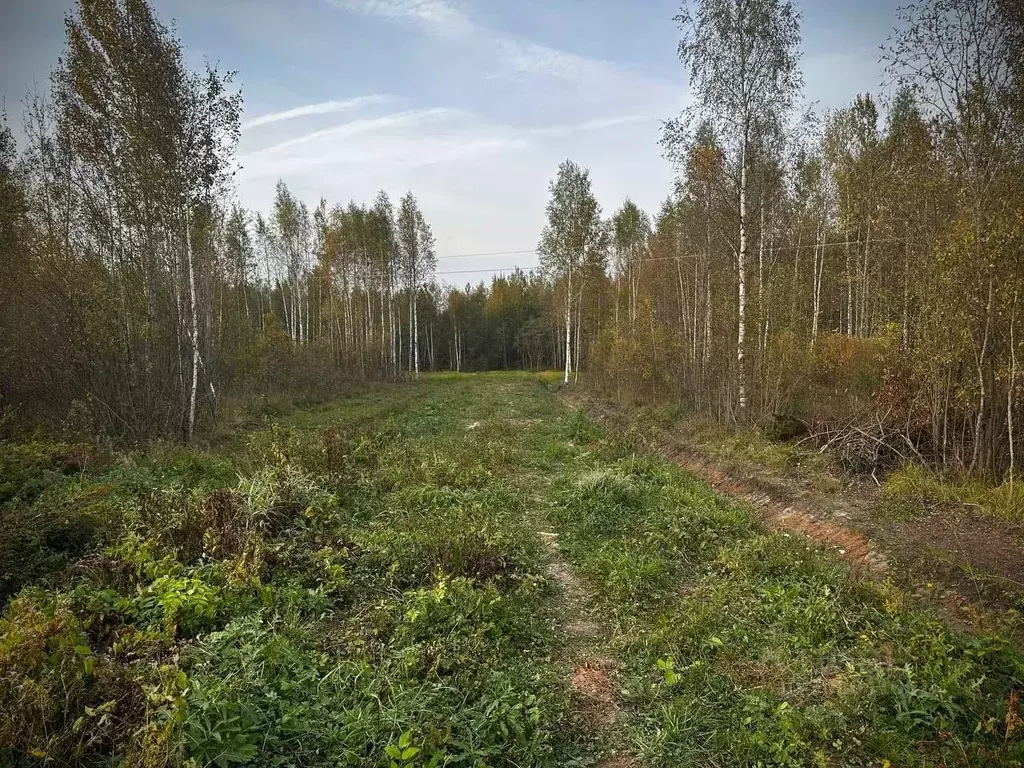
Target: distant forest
column 852, row 270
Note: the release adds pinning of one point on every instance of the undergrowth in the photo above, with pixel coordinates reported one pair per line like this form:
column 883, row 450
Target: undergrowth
column 353, row 584
column 913, row 483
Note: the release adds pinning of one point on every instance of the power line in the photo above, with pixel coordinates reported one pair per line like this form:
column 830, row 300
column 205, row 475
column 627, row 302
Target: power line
column 662, row 258
column 490, row 253
column 527, row 268
column 488, row 269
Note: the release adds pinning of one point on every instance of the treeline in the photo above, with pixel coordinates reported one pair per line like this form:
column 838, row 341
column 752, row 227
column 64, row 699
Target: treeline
column 856, row 274
column 136, row 297
column 858, row 269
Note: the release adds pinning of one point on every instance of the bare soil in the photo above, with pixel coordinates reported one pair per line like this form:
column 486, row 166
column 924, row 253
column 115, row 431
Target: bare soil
column 592, row 678
column 593, row 681
column 786, row 514
column 980, row 555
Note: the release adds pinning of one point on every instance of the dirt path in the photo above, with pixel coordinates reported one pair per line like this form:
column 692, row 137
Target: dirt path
column 590, row 665
column 824, row 529
column 593, row 669
column 970, row 566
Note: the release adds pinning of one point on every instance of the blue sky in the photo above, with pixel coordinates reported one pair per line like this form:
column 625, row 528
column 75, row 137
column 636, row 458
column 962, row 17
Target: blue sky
column 469, row 103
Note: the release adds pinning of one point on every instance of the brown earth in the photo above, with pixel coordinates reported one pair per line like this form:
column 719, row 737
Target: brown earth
column 786, row 514
column 592, row 679
column 619, row 761
column 593, row 682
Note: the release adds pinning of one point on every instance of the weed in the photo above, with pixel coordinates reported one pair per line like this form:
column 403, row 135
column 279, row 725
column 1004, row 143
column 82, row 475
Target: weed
column 915, row 484
column 749, row 648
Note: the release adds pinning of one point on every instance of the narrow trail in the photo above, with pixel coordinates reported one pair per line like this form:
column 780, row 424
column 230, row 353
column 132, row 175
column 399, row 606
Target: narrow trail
column 593, row 668
column 590, row 665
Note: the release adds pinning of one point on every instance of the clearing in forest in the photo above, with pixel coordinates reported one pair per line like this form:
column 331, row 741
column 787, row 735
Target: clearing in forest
column 461, row 571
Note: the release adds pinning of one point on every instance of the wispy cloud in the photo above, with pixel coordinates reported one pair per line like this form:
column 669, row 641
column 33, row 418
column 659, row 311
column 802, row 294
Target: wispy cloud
column 441, row 16
column 411, row 120
column 410, row 139
column 482, row 182
column 445, row 19
column 321, row 108
column 414, row 137
column 596, row 124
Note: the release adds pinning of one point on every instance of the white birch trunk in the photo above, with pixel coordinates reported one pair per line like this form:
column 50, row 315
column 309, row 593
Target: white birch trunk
column 819, row 266
column 194, row 319
column 568, row 327
column 741, row 333
column 415, row 340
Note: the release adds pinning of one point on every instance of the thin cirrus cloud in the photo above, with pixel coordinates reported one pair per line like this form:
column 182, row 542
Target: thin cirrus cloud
column 320, row 108
column 399, row 140
column 595, row 124
column 443, row 19
column 482, row 182
column 409, row 139
column 416, row 119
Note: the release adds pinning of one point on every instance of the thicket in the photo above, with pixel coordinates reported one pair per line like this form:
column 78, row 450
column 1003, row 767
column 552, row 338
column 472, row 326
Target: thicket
column 857, row 272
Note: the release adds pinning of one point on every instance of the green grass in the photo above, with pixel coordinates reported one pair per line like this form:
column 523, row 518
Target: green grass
column 752, row 447
column 353, row 585
column 744, row 647
column 914, row 484
column 362, row 583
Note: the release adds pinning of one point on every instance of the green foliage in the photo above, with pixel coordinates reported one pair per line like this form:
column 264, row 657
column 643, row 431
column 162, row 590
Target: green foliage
column 747, row 648
column 356, row 586
column 580, row 429
column 49, row 513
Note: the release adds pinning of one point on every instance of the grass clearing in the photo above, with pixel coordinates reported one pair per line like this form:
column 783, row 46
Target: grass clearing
column 354, row 584
column 365, row 583
column 751, row 648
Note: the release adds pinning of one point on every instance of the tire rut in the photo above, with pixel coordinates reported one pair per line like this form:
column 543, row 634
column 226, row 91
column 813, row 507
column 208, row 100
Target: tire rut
column 594, row 672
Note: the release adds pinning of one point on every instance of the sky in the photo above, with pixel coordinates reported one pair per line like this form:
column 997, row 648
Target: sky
column 471, row 104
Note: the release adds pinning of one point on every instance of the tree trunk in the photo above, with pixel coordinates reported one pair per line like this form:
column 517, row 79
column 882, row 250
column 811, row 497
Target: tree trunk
column 194, row 319
column 741, row 363
column 865, row 325
column 819, row 268
column 982, row 381
column 568, row 327
column 849, row 287
column 415, row 338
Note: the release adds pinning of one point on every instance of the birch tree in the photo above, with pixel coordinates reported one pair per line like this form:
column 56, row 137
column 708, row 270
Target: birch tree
column 146, row 149
column 571, row 238
column 418, row 261
column 742, row 58
column 631, row 229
